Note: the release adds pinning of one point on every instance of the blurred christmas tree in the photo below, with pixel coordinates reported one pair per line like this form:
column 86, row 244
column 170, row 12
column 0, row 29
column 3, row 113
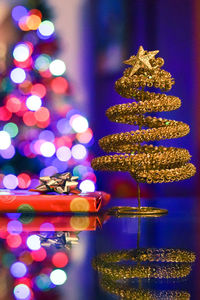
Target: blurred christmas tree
column 41, row 132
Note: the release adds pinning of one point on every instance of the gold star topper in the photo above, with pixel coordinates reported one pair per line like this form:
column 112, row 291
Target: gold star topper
column 141, row 60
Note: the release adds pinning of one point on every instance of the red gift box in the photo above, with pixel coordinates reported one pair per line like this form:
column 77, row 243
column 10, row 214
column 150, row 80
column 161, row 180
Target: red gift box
column 26, row 201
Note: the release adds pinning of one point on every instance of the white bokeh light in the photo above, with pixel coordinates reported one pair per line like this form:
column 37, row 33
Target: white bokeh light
column 79, row 123
column 5, row 140
column 18, row 75
column 57, row 67
column 33, row 102
column 79, row 151
column 21, row 52
column 46, row 28
column 58, row 277
column 10, row 181
column 47, row 149
column 33, row 242
column 63, row 153
column 87, row 186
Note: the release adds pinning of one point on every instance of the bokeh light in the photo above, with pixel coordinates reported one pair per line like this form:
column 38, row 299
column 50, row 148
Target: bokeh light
column 57, row 67
column 24, row 181
column 21, row 52
column 78, row 123
column 47, row 149
column 39, row 90
column 59, row 85
column 14, row 226
column 43, row 282
column 18, row 269
column 11, row 129
column 63, row 153
column 5, row 140
column 14, row 240
column 18, row 75
column 8, row 153
column 47, row 135
column 33, row 102
column 13, row 104
column 85, row 137
column 21, row 291
column 58, row 277
column 10, row 181
column 18, row 12
column 42, row 114
column 46, row 29
column 79, row 151
column 33, row 242
column 87, row 186
column 42, row 62
column 39, row 255
column 60, row 259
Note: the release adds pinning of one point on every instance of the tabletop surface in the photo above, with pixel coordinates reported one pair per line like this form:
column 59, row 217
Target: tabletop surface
column 71, row 265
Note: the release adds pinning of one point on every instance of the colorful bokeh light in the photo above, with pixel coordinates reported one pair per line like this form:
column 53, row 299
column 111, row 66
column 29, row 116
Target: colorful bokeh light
column 33, row 242
column 57, row 67
column 46, row 29
column 33, row 103
column 18, row 75
column 18, row 269
column 22, row 291
column 58, row 277
column 5, row 140
column 10, row 181
column 21, row 52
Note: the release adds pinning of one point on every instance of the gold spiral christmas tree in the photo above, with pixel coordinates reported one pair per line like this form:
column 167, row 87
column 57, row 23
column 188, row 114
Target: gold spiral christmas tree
column 145, row 162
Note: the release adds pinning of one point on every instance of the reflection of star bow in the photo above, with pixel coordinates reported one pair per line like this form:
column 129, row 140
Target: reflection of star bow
column 59, row 239
column 61, row 183
column 141, row 60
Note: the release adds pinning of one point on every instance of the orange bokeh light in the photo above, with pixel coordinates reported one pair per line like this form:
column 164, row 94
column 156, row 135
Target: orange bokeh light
column 42, row 114
column 33, row 22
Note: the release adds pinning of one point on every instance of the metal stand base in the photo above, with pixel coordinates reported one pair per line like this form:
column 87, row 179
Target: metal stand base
column 135, row 211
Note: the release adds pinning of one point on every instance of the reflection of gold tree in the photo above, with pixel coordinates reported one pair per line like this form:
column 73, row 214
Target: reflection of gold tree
column 117, row 267
column 149, row 263
column 178, row 263
column 127, row 292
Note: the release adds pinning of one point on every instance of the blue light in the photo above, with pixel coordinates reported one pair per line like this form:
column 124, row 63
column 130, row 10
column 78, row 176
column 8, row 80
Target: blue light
column 18, row 269
column 18, row 12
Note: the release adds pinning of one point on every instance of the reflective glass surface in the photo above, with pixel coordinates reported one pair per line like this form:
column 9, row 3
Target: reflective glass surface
column 101, row 256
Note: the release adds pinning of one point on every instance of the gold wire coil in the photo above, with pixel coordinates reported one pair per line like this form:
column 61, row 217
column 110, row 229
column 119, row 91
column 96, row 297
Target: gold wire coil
column 146, row 163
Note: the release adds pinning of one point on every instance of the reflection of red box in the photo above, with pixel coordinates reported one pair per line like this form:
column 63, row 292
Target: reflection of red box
column 52, row 223
column 26, row 201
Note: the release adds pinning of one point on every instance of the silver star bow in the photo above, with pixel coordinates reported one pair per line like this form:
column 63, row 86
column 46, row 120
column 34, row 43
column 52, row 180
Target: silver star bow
column 60, row 183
